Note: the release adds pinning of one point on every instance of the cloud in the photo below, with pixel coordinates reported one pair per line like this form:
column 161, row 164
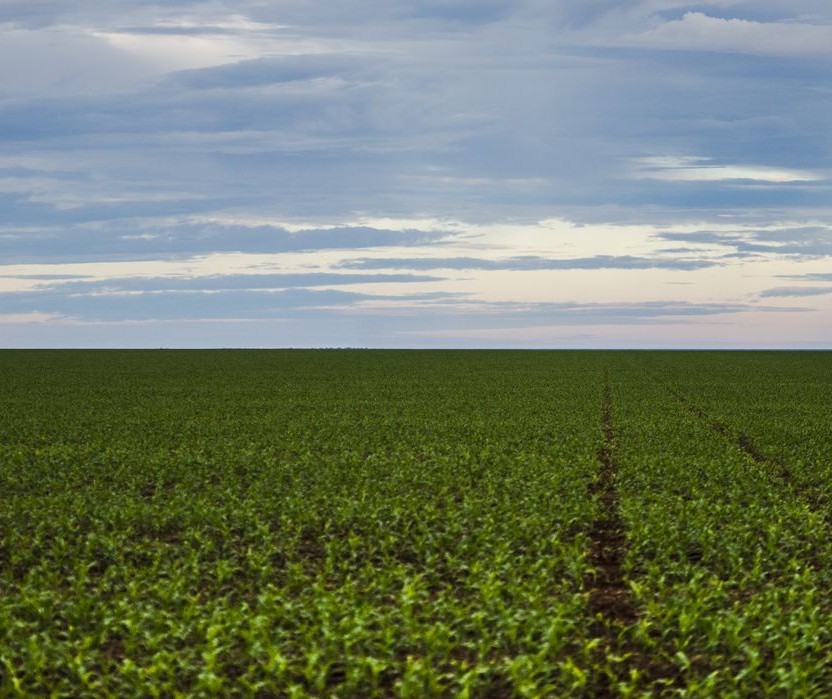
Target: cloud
column 138, row 140
column 184, row 304
column 529, row 263
column 64, row 62
column 400, row 121
column 803, row 242
column 589, row 313
column 268, row 71
column 810, row 277
column 696, row 31
column 165, row 52
column 27, row 318
column 796, row 291
column 698, row 169
column 72, row 284
column 425, row 310
column 466, row 12
column 157, row 240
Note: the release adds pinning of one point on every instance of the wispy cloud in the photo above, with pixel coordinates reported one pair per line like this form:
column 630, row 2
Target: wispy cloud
column 810, row 277
column 796, row 291
column 700, row 169
column 225, row 282
column 423, row 310
column 157, row 240
column 529, row 263
column 399, row 169
column 697, row 31
column 802, row 242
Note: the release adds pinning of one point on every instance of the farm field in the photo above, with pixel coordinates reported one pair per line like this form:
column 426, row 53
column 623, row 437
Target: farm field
column 358, row 523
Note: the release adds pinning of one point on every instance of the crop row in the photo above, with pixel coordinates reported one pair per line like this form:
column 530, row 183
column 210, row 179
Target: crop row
column 777, row 402
column 345, row 524
column 373, row 524
column 729, row 567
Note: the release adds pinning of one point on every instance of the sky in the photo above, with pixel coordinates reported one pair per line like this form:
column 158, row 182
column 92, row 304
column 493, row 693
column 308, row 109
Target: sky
column 430, row 173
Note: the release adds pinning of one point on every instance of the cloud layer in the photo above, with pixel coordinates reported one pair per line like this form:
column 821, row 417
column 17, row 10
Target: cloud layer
column 404, row 172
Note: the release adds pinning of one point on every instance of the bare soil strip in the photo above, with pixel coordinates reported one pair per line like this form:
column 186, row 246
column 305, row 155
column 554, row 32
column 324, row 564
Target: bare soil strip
column 609, row 595
column 610, row 600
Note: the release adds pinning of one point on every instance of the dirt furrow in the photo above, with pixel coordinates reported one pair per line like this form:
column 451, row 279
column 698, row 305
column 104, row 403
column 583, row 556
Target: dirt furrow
column 610, row 599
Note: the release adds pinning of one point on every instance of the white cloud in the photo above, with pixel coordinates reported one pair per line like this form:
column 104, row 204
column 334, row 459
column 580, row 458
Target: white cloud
column 170, row 52
column 699, row 32
column 192, row 42
column 27, row 318
column 698, row 169
column 64, row 61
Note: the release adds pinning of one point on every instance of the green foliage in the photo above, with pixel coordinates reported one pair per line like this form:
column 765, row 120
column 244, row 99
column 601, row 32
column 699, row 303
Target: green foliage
column 294, row 523
column 412, row 524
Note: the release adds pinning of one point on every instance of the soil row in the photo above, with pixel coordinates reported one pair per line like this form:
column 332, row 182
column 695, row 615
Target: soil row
column 610, row 600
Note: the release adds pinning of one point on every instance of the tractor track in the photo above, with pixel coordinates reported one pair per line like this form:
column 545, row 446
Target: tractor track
column 610, row 600
column 776, row 466
column 609, row 593
column 737, row 439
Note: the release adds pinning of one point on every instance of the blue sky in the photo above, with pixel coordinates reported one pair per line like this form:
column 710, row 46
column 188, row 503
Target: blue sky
column 454, row 173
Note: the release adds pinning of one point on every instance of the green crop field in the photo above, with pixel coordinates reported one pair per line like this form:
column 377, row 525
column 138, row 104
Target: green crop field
column 348, row 523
